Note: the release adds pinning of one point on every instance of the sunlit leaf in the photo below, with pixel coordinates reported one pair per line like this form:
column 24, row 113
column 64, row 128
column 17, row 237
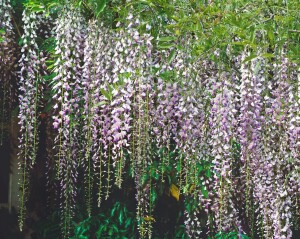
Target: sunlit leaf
column 192, row 188
column 149, row 218
column 174, row 190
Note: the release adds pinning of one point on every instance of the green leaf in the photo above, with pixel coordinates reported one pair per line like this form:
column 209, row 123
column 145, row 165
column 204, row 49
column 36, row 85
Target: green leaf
column 249, row 58
column 121, row 217
column 208, row 173
column 127, row 222
column 165, row 45
column 267, row 55
column 257, row 67
column 167, row 75
column 200, row 168
column 166, row 39
column 48, row 107
column 153, row 195
column 144, row 178
column 186, row 188
column 271, row 35
column 171, row 56
column 49, row 77
column 107, row 94
column 124, row 75
column 100, row 7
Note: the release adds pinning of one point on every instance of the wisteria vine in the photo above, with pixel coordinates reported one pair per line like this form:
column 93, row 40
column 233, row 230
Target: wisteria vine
column 124, row 98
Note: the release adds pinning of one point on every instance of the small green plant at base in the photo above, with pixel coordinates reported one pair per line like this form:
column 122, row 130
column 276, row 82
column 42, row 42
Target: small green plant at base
column 117, row 222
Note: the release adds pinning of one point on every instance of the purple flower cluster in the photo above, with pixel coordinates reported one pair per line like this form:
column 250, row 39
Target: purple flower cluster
column 7, row 44
column 265, row 150
column 140, row 62
column 108, row 92
column 293, row 119
column 70, row 37
column 165, row 115
column 8, row 59
column 279, row 166
column 249, row 130
column 223, row 123
column 30, row 88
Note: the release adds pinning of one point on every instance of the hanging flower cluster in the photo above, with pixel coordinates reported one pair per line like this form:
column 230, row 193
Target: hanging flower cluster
column 8, row 58
column 140, row 61
column 223, row 124
column 277, row 215
column 294, row 136
column 97, row 107
column 250, row 130
column 32, row 65
column 70, row 37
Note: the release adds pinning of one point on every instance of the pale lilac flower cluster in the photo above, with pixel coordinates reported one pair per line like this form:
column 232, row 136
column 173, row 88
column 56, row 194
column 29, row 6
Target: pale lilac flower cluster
column 99, row 103
column 192, row 142
column 70, row 36
column 107, row 102
column 293, row 119
column 222, row 123
column 88, row 84
column 249, row 130
column 140, row 61
column 8, row 59
column 281, row 199
column 29, row 87
column 264, row 139
column 7, row 44
column 165, row 116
